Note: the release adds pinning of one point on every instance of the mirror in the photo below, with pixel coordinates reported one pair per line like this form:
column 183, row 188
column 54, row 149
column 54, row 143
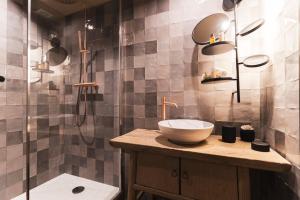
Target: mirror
column 213, row 24
column 252, row 27
column 256, row 61
column 228, row 5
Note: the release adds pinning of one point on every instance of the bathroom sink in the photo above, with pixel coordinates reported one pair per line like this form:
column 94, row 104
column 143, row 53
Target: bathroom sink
column 185, row 131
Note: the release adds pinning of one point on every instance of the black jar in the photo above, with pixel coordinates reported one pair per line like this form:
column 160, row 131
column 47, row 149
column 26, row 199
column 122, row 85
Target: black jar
column 247, row 135
column 229, row 134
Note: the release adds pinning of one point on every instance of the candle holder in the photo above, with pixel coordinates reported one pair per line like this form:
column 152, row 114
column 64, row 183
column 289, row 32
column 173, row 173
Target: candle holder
column 229, row 134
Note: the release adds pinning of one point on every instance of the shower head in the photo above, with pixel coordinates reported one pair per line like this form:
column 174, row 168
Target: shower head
column 67, row 1
column 56, row 55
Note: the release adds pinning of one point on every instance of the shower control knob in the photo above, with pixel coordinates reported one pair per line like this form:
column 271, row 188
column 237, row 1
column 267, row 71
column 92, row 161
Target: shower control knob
column 2, row 78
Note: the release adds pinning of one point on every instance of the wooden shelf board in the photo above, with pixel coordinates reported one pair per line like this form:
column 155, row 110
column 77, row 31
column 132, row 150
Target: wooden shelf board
column 217, row 80
column 218, row 48
column 88, row 84
column 211, row 150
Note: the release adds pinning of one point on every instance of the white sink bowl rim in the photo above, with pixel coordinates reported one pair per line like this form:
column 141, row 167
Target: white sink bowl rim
column 185, row 131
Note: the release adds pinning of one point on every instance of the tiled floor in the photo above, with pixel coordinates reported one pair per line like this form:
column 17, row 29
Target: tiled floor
column 60, row 188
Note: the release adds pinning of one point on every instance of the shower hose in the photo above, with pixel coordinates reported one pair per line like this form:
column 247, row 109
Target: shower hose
column 80, row 120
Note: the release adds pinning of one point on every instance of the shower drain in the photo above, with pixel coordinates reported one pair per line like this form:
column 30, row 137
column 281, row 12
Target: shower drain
column 78, row 189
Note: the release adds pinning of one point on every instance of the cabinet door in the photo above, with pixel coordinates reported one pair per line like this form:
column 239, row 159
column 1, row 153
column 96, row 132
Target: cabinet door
column 206, row 181
column 158, row 172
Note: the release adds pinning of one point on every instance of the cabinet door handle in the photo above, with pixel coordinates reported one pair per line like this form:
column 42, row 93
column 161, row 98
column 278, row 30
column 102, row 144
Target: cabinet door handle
column 185, row 175
column 174, row 173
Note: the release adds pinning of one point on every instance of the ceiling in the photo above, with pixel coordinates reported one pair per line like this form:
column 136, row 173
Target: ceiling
column 53, row 9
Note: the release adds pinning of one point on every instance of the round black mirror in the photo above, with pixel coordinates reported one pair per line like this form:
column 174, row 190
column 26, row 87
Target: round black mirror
column 228, row 5
column 213, row 24
column 256, row 60
column 252, row 27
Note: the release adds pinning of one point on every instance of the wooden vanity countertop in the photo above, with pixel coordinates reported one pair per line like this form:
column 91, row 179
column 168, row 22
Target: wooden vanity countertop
column 212, row 150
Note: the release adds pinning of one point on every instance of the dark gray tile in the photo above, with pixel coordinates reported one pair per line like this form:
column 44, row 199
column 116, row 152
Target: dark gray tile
column 109, row 80
column 150, row 86
column 42, row 109
column 139, row 99
column 42, row 99
column 2, row 154
column 100, row 61
column 151, row 47
column 32, row 182
column 13, row 138
column 139, row 24
column 128, row 50
column 108, row 122
column 139, row 74
column 91, row 153
column 14, row 177
column 280, row 142
column 99, row 143
column 163, row 5
column 108, row 156
column 42, row 161
column 14, row 59
column 2, row 126
column 43, row 128
column 2, row 182
column 150, row 111
column 151, row 99
column 151, row 7
column 139, row 49
column 128, row 86
column 100, row 167
column 14, row 85
column 68, row 89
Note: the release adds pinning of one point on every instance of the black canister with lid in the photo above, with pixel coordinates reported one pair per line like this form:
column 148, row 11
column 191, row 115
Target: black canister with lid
column 229, row 134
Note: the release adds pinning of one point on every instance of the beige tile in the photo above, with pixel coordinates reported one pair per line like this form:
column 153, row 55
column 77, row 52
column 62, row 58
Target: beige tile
column 15, row 164
column 223, row 113
column 14, row 151
column 14, row 190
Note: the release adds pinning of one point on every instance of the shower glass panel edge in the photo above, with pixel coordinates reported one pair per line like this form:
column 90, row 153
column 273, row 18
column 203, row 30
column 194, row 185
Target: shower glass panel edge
column 31, row 177
column 27, row 102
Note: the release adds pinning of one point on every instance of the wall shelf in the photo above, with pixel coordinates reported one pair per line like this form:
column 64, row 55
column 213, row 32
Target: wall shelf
column 218, row 48
column 48, row 71
column 88, row 84
column 220, row 24
column 218, row 80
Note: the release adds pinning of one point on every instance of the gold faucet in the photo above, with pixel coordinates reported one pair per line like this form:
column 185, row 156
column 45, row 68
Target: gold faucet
column 164, row 102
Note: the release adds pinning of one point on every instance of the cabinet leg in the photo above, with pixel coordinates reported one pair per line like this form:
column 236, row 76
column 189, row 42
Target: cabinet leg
column 244, row 184
column 131, row 176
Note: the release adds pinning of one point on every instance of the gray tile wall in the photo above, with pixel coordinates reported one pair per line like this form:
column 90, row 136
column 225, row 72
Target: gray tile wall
column 55, row 144
column 46, row 97
column 99, row 161
column 161, row 59
column 280, row 93
column 12, row 99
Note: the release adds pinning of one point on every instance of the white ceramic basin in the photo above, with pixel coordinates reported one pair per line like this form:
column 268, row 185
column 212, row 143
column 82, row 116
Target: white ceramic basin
column 185, row 131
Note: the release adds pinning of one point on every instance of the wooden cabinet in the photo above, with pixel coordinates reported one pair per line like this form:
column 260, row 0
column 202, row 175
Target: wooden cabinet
column 207, row 181
column 186, row 178
column 212, row 170
column 158, row 172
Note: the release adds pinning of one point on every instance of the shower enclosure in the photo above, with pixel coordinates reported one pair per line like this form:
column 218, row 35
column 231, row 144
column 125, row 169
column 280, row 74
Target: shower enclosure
column 73, row 76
